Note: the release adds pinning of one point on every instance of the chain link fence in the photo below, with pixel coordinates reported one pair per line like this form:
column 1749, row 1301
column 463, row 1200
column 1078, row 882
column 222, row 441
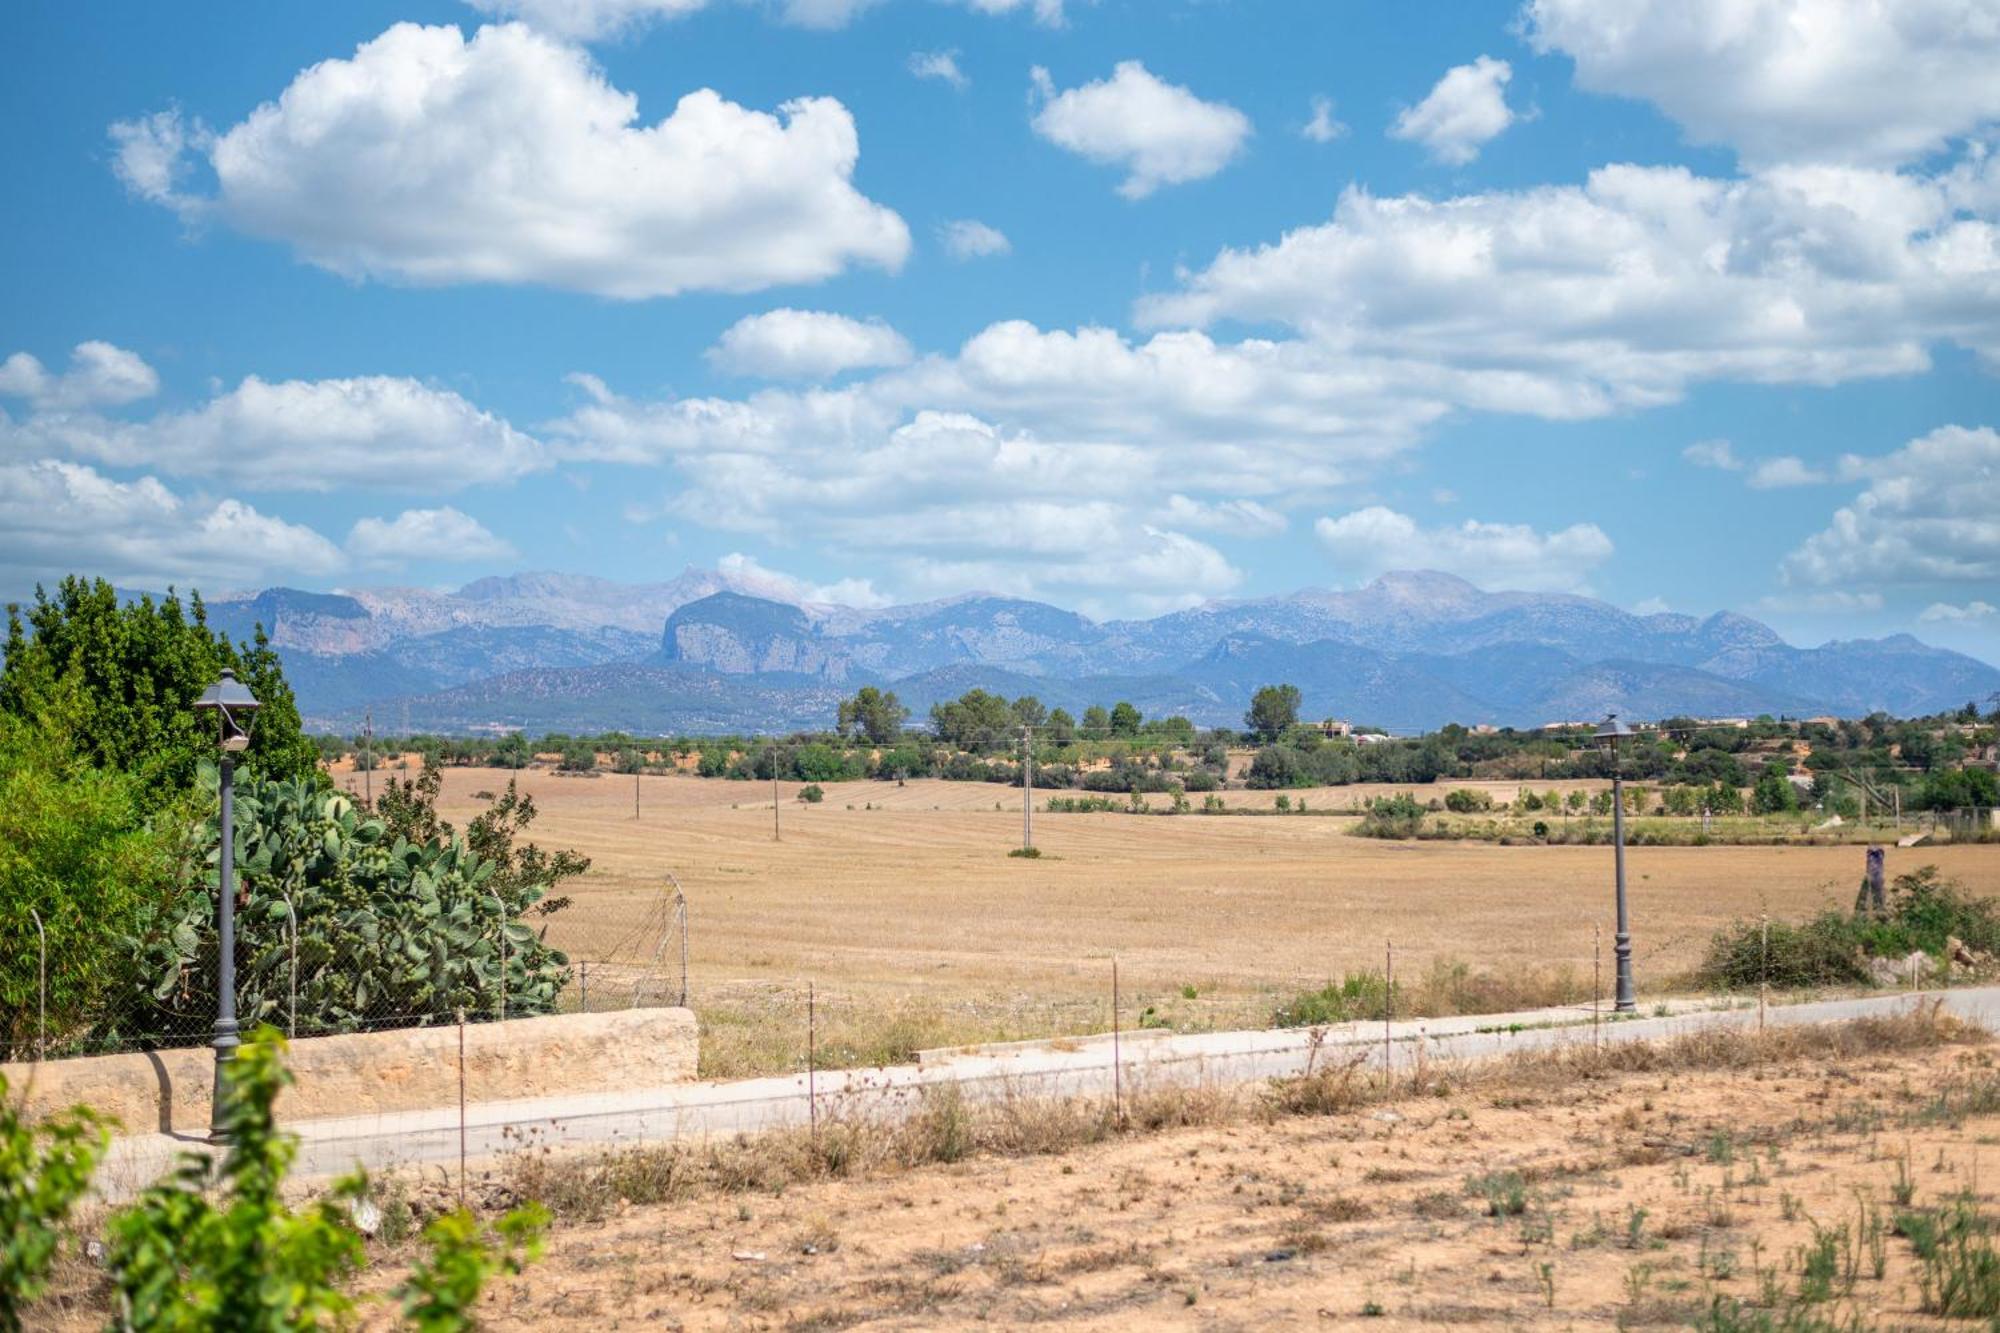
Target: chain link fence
column 597, row 950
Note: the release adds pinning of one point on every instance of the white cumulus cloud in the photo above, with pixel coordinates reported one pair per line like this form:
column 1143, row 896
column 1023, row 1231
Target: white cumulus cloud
column 1718, row 454
column 763, row 581
column 1947, row 613
column 1323, row 127
column 1784, row 471
column 58, row 517
column 444, row 534
column 509, row 158
column 99, row 375
column 968, row 238
column 1467, row 108
column 1239, row 518
column 1494, row 555
column 1159, row 132
column 302, row 435
column 806, row 344
column 1622, row 291
column 1875, row 82
column 939, row 65
column 1930, row 513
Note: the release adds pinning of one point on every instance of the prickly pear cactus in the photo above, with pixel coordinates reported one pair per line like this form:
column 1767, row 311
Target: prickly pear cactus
column 350, row 928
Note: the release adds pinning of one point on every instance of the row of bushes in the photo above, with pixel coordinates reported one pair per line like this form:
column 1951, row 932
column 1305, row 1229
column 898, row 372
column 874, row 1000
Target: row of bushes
column 1924, row 911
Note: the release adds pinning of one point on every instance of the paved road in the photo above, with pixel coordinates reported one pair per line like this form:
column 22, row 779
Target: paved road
column 1067, row 1069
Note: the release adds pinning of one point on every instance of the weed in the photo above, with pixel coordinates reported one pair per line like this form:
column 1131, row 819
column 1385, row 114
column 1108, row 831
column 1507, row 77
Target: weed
column 1545, row 1276
column 1505, row 1192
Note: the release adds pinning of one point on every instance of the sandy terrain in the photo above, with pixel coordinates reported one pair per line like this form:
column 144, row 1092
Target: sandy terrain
column 901, row 905
column 1634, row 1199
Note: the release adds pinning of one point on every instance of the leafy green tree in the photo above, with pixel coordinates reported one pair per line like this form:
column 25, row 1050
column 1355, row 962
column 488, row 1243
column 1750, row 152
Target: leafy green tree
column 1774, row 793
column 136, row 670
column 1951, row 789
column 75, row 852
column 1028, row 711
column 1096, row 722
column 1062, row 727
column 1272, row 709
column 45, row 1170
column 1125, row 719
column 1276, row 766
column 873, row 716
column 975, row 720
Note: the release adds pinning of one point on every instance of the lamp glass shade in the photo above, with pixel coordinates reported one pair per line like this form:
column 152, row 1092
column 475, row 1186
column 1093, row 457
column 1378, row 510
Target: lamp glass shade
column 1613, row 731
column 235, row 710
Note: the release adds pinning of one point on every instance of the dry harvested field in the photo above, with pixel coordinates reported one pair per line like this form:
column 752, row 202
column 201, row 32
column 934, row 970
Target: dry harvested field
column 902, row 907
column 1790, row 1178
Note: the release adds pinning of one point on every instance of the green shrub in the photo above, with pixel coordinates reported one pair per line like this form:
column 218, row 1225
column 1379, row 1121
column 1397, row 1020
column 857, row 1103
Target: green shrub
column 1466, row 801
column 1825, row 951
column 1356, row 996
column 75, row 852
column 1398, row 816
column 44, row 1170
column 812, row 793
column 215, row 1248
column 1924, row 910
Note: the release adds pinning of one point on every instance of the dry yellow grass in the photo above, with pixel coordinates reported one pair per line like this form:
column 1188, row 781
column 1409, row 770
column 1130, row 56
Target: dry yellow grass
column 918, row 928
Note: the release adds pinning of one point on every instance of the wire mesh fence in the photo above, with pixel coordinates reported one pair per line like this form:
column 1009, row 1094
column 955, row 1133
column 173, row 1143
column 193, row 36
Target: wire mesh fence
column 336, row 973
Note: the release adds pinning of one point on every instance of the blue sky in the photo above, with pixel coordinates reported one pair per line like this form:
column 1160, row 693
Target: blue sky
column 1689, row 304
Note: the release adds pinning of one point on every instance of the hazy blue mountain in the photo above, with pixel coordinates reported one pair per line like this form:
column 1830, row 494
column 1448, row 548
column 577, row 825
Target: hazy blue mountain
column 739, row 636
column 1408, row 651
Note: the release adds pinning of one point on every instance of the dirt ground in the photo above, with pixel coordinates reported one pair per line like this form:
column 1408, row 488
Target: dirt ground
column 1632, row 1199
column 903, row 908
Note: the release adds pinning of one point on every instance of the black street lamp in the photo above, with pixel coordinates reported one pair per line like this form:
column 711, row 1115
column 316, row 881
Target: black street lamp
column 1608, row 736
column 235, row 709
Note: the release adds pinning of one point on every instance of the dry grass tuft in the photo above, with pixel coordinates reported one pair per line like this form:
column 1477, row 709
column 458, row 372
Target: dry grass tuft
column 946, row 1126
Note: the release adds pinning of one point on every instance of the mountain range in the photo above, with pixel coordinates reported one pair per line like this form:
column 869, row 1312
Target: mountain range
column 718, row 651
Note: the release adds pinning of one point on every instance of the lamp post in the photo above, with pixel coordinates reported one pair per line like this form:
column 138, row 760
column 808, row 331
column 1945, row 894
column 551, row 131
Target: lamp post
column 235, row 708
column 1608, row 736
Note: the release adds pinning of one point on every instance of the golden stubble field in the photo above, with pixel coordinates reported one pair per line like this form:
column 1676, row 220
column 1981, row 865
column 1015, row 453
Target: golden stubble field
column 902, row 907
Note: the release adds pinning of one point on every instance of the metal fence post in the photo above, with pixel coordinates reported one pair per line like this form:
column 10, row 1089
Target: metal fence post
column 292, row 932
column 41, row 988
column 503, row 956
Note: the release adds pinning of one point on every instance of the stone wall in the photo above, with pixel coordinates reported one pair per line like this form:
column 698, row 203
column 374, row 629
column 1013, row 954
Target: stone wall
column 410, row 1069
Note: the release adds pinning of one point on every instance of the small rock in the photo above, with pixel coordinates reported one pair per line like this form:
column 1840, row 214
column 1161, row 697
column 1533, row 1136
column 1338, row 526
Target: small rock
column 1280, row 1256
column 1389, row 1117
column 365, row 1215
column 748, row 1256
column 93, row 1250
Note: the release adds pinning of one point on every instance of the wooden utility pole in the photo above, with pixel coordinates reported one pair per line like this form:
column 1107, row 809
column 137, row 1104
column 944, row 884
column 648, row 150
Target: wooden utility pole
column 776, row 835
column 1027, row 789
column 368, row 753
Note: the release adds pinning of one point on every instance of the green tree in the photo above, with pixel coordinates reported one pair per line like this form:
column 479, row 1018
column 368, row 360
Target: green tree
column 136, row 670
column 1272, row 709
column 1096, row 722
column 1125, row 719
column 1028, row 711
column 73, row 851
column 1954, row 789
column 873, row 716
column 1062, row 727
column 1774, row 793
column 975, row 720
column 1276, row 766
